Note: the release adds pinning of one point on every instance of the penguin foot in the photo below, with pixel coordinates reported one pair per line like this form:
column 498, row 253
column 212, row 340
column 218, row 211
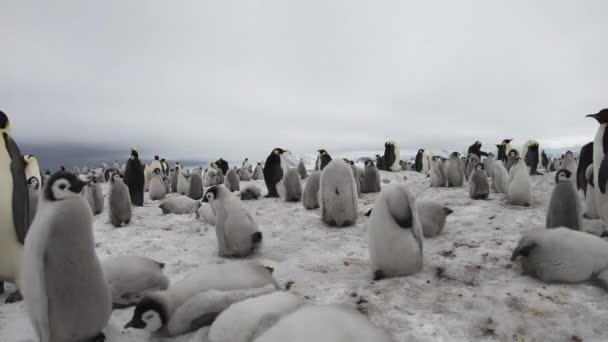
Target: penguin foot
column 14, row 297
column 379, row 275
column 100, row 338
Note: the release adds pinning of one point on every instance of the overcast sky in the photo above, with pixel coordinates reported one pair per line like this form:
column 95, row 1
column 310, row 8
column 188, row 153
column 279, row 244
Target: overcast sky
column 237, row 78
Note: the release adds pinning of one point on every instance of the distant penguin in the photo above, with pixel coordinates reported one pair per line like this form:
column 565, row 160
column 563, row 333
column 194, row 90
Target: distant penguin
column 76, row 170
column 247, row 165
column 519, row 190
column 563, row 255
column 439, row 177
column 94, row 195
column 232, row 181
column 585, row 159
column 553, row 165
column 569, row 164
column 380, row 162
column 274, row 168
column 135, row 179
column 371, row 178
column 531, row 155
column 131, row 277
column 14, row 207
column 433, row 216
column 591, row 196
column 196, row 300
column 489, row 165
column 213, row 176
column 158, row 189
column 179, row 205
column 338, row 195
column 291, row 188
column 404, row 165
column 564, row 206
column 258, row 173
column 195, row 186
column 544, row 159
column 302, row 170
column 503, row 150
column 250, row 192
column 500, row 177
column 66, row 295
column 391, row 156
column 182, row 182
column 479, row 187
column 427, row 158
column 476, row 150
column 324, row 323
column 472, row 162
column 177, row 170
column 322, row 160
column 156, row 164
column 311, row 191
column 244, row 174
column 395, row 234
column 455, row 170
column 418, row 162
column 119, row 201
column 165, row 167
column 513, row 157
column 238, row 235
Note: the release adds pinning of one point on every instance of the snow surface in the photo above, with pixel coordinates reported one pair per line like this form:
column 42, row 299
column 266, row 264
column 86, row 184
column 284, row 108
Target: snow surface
column 468, row 289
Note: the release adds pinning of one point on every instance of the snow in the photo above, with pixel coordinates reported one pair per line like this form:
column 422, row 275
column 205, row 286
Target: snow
column 467, row 290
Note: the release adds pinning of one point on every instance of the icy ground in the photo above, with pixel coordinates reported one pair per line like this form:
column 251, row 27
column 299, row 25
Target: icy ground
column 468, row 289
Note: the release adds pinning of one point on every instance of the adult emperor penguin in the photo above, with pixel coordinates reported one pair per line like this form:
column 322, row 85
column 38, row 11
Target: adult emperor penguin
column 392, row 156
column 371, row 178
column 94, row 195
column 433, row 216
column 564, row 206
column 455, row 170
column 65, row 303
column 275, row 167
column 165, row 167
column 519, row 190
column 237, row 233
column 135, row 179
column 291, row 188
column 479, row 188
column 247, row 165
column 563, row 255
column 476, row 150
column 158, row 189
column 380, row 162
column 591, row 196
column 223, row 165
column 513, row 158
column 232, row 180
column 503, row 150
column 418, row 162
column 531, row 155
column 302, row 169
column 395, row 234
column 34, row 182
column 585, row 158
column 600, row 161
column 322, row 160
column 14, row 207
column 500, row 177
column 545, row 159
column 310, row 198
column 119, row 202
column 258, row 172
column 338, row 196
column 196, row 300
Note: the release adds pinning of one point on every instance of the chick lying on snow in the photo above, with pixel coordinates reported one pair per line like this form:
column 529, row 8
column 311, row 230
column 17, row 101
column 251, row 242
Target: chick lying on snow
column 179, row 205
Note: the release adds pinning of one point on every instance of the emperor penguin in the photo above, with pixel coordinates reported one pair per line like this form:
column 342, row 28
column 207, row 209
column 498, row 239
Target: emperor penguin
column 232, row 181
column 531, row 154
column 585, row 159
column 371, row 178
column 238, row 235
column 179, row 205
column 195, row 186
column 223, row 165
column 258, row 173
column 322, row 160
column 14, row 207
column 247, row 165
column 563, row 255
column 433, row 216
column 338, row 196
column 489, row 164
column 324, row 323
column 244, row 174
column 553, row 164
column 427, row 158
column 472, row 162
column 476, row 150
column 177, row 170
column 165, row 167
column 131, row 277
column 135, row 179
column 274, row 169
column 380, row 162
column 156, row 164
column 479, row 187
column 391, row 156
column 359, row 174
column 455, row 170
column 544, row 159
column 503, row 150
column 564, row 206
column 302, row 169
column 196, row 300
column 310, row 199
column 513, row 157
column 250, row 192
column 66, row 295
column 591, row 196
column 119, row 202
column 519, row 190
column 32, row 169
column 395, row 234
column 147, row 177
column 500, row 177
column 158, row 189
column 439, row 177
column 94, row 195
column 182, row 182
column 418, row 161
column 213, row 176
column 569, row 163
column 291, row 188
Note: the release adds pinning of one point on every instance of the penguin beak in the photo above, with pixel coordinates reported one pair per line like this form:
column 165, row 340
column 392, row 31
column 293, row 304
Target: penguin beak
column 595, row 116
column 205, row 200
column 135, row 323
column 515, row 254
column 77, row 186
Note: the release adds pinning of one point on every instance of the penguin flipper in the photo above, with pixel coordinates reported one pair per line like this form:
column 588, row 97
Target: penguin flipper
column 603, row 176
column 21, row 201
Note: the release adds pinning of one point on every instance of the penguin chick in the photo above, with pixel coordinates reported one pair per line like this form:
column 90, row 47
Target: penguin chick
column 94, row 195
column 206, row 214
column 500, row 177
column 519, row 191
column 564, row 206
column 310, row 198
column 119, row 201
column 371, row 178
column 232, row 180
column 179, row 205
column 302, row 170
column 479, row 188
column 290, row 188
column 432, row 217
column 251, row 192
column 338, row 196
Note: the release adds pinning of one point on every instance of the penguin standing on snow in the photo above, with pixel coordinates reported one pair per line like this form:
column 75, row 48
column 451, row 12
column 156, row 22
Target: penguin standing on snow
column 291, row 188
column 223, row 165
column 302, row 170
column 600, row 161
column 419, row 157
column 66, row 295
column 503, row 150
column 195, row 185
column 479, row 188
column 519, row 190
column 94, row 195
column 564, row 206
column 258, row 172
column 371, row 178
column 513, row 158
column 380, row 162
column 455, row 170
column 158, row 189
column 472, row 162
column 432, row 217
column 310, row 198
column 585, row 158
column 232, row 181
column 14, row 208
column 322, row 160
column 135, row 179
column 391, row 156
column 500, row 177
column 177, row 170
column 476, row 150
column 119, row 202
column 545, row 159
column 531, row 154
column 338, row 195
column 274, row 169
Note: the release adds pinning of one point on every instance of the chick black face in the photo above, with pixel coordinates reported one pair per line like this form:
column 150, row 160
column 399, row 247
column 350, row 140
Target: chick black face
column 63, row 185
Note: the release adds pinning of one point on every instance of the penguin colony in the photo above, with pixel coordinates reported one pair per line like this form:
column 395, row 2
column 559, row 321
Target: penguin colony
column 44, row 216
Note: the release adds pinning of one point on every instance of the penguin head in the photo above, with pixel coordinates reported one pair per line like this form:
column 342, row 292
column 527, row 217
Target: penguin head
column 480, row 167
column 116, row 176
column 513, row 153
column 156, row 171
column 5, row 124
column 134, row 154
column 33, row 183
column 369, row 163
column 211, row 194
column 279, row 151
column 63, row 185
column 563, row 175
column 421, row 150
column 322, row 152
column 149, row 315
column 455, row 155
column 156, row 158
column 506, row 141
column 601, row 116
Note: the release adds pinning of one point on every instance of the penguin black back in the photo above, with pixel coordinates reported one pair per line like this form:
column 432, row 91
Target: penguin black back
column 135, row 179
column 418, row 162
column 502, row 150
column 389, row 155
column 273, row 172
column 584, row 160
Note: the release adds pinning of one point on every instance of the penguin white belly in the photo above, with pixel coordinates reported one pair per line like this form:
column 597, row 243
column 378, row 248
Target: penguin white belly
column 394, row 249
column 10, row 248
column 592, row 212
